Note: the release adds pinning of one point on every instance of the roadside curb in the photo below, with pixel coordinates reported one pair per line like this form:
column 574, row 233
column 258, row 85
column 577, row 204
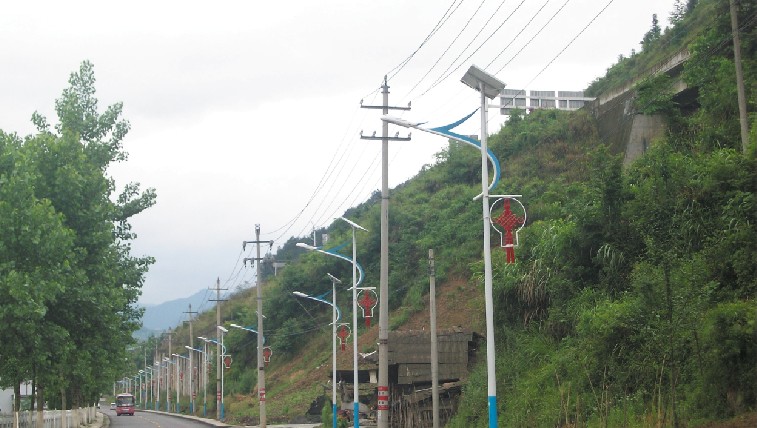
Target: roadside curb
column 101, row 420
column 209, row 422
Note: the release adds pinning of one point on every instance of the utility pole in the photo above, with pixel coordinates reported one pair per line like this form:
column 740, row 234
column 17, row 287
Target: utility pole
column 383, row 339
column 739, row 77
column 258, row 292
column 160, row 375
column 219, row 351
column 168, row 374
column 191, row 367
column 434, row 339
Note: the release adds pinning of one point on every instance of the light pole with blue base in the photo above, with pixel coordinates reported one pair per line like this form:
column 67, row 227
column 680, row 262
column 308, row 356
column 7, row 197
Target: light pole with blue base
column 335, row 316
column 489, row 87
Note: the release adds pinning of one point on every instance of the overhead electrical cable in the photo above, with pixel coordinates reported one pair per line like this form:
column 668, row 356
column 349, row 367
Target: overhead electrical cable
column 524, row 28
column 569, row 43
column 372, row 167
column 447, row 48
column 335, row 190
column 324, row 178
column 335, row 167
column 439, row 24
column 449, row 72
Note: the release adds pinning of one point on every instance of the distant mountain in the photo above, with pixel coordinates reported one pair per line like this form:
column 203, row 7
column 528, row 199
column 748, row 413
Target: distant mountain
column 158, row 318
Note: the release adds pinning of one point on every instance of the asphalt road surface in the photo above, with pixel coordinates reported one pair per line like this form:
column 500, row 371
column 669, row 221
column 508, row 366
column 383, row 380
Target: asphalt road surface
column 149, row 420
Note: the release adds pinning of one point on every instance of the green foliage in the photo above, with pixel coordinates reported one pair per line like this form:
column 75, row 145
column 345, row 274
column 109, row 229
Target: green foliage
column 658, row 46
column 728, row 351
column 655, row 95
column 632, row 302
column 327, row 413
column 653, row 34
column 632, row 299
column 66, row 268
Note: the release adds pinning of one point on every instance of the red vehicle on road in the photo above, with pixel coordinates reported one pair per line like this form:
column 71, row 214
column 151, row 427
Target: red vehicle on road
column 124, row 404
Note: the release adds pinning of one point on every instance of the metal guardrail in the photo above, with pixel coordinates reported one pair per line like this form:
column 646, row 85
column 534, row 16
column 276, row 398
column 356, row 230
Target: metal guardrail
column 52, row 418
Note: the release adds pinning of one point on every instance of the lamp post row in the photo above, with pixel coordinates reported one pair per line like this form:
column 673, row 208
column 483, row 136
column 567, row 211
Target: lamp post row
column 489, row 87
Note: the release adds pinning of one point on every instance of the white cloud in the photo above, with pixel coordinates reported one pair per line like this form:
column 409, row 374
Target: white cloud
column 237, row 108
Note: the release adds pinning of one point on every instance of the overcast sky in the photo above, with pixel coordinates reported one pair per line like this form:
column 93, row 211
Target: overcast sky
column 248, row 112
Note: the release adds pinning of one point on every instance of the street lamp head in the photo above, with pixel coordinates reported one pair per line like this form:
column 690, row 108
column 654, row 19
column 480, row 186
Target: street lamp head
column 202, row 338
column 222, row 328
column 235, row 325
column 401, row 122
column 333, row 278
column 353, row 224
column 480, row 80
column 299, row 294
column 306, row 246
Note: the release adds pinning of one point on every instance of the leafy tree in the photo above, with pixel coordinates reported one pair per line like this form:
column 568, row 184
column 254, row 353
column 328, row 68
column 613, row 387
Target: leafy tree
column 67, row 247
column 652, row 35
column 35, row 248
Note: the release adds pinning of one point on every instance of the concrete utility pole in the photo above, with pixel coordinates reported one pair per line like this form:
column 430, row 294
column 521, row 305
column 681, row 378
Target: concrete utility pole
column 160, row 373
column 739, row 77
column 168, row 375
column 434, row 339
column 191, row 366
column 258, row 292
column 383, row 338
column 219, row 351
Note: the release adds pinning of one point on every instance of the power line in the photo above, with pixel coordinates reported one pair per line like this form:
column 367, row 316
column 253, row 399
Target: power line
column 523, row 29
column 439, row 24
column 447, row 48
column 447, row 72
column 569, row 43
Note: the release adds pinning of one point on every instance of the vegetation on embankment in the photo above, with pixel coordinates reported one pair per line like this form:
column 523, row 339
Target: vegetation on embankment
column 632, row 302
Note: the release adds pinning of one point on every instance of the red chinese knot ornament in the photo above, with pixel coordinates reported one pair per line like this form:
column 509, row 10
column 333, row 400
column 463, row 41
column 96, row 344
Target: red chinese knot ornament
column 343, row 332
column 367, row 301
column 510, row 224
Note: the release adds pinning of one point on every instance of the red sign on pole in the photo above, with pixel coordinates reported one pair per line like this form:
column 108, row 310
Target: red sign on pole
column 227, row 361
column 261, row 394
column 383, row 398
column 267, row 352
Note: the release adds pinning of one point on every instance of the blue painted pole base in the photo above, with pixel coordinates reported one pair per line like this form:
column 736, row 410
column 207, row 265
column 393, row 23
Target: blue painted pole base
column 492, row 411
column 356, row 414
column 333, row 415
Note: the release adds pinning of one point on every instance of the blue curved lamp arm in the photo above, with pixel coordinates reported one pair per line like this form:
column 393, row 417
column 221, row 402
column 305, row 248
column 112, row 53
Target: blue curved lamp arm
column 333, row 252
column 446, row 131
column 320, row 299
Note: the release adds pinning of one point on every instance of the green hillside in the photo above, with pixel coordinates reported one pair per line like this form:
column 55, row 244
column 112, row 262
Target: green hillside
column 632, row 302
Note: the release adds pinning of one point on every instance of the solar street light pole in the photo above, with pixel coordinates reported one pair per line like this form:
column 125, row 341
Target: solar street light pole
column 489, row 87
column 335, row 316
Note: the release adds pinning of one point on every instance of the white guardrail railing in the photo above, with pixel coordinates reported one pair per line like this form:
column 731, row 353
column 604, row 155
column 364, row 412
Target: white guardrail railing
column 52, row 418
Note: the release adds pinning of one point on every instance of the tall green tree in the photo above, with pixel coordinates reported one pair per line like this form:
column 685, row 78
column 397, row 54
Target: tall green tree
column 87, row 312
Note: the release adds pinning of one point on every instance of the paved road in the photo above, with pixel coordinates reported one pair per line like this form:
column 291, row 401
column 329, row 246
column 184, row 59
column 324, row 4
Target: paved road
column 150, row 420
